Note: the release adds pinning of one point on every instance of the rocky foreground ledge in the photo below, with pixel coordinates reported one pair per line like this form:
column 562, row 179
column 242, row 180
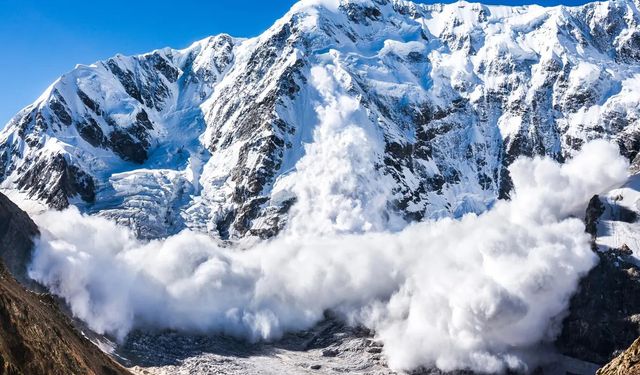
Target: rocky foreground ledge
column 35, row 336
column 627, row 363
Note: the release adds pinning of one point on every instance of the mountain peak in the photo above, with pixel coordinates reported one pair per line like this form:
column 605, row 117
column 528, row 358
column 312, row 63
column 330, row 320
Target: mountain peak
column 211, row 137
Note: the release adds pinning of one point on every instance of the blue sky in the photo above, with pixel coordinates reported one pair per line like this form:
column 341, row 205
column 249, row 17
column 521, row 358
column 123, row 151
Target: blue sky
column 41, row 39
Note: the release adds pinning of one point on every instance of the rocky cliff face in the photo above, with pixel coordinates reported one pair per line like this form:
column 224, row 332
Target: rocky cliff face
column 627, row 363
column 35, row 337
column 210, row 137
column 17, row 233
column 604, row 317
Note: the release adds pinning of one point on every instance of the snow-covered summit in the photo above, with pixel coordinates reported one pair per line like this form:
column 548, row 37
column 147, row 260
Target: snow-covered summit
column 368, row 105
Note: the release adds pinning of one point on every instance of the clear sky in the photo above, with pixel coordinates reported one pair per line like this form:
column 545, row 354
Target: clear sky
column 41, row 39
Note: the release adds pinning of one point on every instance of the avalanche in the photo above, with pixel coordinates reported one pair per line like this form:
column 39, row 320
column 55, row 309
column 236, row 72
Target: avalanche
column 359, row 156
column 474, row 293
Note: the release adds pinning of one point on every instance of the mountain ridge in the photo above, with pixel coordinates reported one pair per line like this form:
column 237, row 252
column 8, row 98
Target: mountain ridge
column 210, row 137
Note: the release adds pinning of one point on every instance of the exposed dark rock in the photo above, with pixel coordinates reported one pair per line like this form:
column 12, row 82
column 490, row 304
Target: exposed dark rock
column 126, row 79
column 142, row 118
column 629, row 49
column 161, row 65
column 55, row 180
column 224, row 224
column 629, row 145
column 35, row 337
column 275, row 219
column 361, row 14
column 248, row 211
column 60, row 111
column 330, row 353
column 595, row 209
column 604, row 315
column 91, row 132
column 17, row 232
column 89, row 103
column 258, row 123
column 24, row 122
column 126, row 147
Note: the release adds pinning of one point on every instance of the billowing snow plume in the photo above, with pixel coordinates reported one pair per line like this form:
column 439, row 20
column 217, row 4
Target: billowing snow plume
column 336, row 183
column 468, row 293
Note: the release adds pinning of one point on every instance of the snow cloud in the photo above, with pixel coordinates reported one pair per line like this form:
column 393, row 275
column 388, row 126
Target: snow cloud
column 336, row 183
column 470, row 293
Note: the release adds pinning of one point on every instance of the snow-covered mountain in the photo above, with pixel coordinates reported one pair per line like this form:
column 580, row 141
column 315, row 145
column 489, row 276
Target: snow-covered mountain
column 414, row 108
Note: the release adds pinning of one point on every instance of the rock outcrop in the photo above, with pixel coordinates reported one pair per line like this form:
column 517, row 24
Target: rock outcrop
column 627, row 363
column 604, row 316
column 17, row 233
column 36, row 338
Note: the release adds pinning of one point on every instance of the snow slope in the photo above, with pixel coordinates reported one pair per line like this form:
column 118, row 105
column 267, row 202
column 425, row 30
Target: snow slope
column 372, row 105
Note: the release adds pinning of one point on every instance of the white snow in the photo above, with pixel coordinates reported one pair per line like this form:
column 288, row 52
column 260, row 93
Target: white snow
column 471, row 51
column 471, row 293
column 467, row 78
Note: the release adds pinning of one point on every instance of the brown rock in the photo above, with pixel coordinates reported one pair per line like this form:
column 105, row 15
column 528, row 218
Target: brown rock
column 627, row 363
column 17, row 231
column 35, row 336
